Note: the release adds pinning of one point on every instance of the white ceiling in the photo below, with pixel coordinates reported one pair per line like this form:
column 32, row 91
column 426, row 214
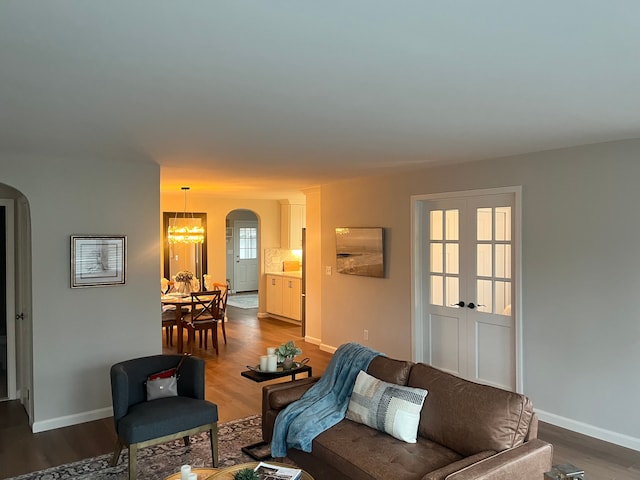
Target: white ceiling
column 259, row 97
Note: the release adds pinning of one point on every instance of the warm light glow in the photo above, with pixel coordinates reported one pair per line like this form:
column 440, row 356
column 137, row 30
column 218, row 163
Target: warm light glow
column 185, row 233
column 297, row 253
column 182, row 234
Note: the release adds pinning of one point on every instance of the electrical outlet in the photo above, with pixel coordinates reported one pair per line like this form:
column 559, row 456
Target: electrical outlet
column 327, row 270
column 366, row 335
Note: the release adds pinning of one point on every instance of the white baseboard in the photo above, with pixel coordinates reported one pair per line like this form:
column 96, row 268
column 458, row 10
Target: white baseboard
column 586, row 429
column 328, row 348
column 68, row 420
column 312, row 340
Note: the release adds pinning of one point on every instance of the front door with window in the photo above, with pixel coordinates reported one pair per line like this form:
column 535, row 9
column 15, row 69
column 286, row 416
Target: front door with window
column 469, row 326
column 246, row 253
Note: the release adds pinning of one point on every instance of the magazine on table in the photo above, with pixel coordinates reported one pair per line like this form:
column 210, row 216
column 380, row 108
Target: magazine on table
column 269, row 471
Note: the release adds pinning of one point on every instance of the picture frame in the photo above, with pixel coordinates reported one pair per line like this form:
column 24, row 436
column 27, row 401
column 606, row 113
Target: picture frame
column 98, row 260
column 360, row 251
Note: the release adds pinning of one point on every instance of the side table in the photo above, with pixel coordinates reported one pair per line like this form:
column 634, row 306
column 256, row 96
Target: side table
column 259, row 450
column 264, row 376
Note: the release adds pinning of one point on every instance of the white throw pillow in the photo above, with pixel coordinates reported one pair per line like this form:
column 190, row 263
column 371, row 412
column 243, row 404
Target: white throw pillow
column 390, row 408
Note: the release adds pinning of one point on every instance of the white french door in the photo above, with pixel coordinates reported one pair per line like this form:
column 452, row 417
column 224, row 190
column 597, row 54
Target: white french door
column 468, row 287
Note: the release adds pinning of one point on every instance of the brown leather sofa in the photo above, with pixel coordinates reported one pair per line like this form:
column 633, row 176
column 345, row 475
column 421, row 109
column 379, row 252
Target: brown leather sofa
column 466, row 431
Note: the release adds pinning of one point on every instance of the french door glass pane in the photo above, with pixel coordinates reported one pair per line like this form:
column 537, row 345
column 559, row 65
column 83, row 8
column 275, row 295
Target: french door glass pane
column 503, row 261
column 452, row 225
column 485, row 224
column 484, row 260
column 503, row 298
column 453, row 258
column 453, row 290
column 503, row 224
column 485, row 295
column 437, row 290
column 435, row 222
column 436, row 257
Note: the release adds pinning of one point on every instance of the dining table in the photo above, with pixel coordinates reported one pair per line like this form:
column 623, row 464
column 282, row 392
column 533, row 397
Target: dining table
column 181, row 300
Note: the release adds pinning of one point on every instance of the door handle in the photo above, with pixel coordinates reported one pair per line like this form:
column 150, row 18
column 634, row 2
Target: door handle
column 473, row 305
column 459, row 304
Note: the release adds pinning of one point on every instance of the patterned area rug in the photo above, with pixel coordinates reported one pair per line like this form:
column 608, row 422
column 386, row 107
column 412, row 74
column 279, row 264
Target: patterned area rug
column 249, row 300
column 160, row 461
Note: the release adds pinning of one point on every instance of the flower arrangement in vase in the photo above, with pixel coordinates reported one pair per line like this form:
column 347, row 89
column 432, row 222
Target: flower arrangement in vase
column 286, row 352
column 183, row 281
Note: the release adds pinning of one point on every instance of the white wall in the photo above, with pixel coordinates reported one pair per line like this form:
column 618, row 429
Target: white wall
column 581, row 272
column 79, row 333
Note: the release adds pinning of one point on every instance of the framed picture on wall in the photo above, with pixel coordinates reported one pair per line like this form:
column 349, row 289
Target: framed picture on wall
column 360, row 251
column 98, row 260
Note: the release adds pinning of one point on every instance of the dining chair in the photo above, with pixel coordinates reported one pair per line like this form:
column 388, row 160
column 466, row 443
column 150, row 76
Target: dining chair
column 140, row 422
column 222, row 307
column 169, row 321
column 204, row 317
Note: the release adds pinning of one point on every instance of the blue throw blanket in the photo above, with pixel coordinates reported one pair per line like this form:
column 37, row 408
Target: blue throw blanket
column 324, row 404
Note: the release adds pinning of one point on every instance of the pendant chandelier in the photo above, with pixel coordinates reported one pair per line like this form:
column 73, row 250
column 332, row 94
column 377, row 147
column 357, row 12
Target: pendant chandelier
column 186, row 231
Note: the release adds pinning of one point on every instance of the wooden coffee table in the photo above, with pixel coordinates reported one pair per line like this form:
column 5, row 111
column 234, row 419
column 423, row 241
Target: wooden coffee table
column 201, row 472
column 227, row 473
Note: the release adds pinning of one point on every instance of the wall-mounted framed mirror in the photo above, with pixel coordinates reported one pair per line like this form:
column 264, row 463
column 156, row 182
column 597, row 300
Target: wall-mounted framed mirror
column 184, row 256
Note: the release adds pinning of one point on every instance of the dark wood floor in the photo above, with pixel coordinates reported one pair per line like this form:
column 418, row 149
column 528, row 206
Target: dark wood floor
column 247, row 338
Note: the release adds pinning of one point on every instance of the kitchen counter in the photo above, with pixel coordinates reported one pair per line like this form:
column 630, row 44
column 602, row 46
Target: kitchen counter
column 293, row 274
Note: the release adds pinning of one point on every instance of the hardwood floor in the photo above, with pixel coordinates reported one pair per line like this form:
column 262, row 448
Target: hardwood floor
column 247, row 338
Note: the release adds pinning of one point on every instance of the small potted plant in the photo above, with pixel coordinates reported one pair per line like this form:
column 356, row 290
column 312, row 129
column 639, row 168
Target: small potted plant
column 286, row 352
column 246, row 474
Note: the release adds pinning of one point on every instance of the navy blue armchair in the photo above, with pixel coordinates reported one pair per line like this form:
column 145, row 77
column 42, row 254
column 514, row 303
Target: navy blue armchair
column 140, row 423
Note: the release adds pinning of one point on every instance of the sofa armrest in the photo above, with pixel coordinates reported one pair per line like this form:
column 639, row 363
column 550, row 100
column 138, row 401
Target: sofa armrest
column 278, row 396
column 528, row 461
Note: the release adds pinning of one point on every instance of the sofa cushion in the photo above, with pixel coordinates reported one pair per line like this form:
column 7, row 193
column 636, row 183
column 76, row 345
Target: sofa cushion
column 390, row 370
column 360, row 452
column 500, row 418
column 387, row 407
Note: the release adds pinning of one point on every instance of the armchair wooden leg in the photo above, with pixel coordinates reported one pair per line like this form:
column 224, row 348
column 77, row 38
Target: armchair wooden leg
column 187, row 441
column 213, row 438
column 116, row 453
column 133, row 466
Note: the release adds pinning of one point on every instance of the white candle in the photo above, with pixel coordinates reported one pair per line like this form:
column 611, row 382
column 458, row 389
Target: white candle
column 271, row 350
column 264, row 363
column 272, row 363
column 193, row 476
column 185, row 470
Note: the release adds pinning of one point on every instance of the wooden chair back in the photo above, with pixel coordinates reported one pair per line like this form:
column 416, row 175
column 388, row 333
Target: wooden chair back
column 205, row 306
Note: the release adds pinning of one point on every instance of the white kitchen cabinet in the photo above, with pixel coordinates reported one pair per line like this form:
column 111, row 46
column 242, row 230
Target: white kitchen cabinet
column 292, row 221
column 274, row 294
column 284, row 296
column 291, row 298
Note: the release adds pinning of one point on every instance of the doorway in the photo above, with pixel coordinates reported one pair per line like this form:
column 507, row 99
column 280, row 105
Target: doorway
column 242, row 239
column 466, row 282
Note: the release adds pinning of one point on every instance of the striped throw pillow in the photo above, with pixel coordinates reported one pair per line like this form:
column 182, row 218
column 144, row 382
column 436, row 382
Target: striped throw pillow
column 390, row 408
